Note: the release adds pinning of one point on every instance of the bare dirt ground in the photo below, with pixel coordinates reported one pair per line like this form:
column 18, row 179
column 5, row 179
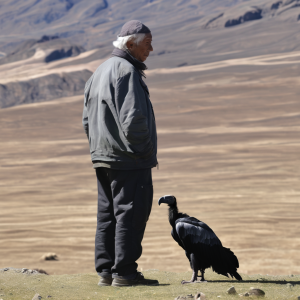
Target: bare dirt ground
column 229, row 144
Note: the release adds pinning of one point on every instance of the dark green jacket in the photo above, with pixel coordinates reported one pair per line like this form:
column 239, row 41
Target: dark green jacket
column 118, row 117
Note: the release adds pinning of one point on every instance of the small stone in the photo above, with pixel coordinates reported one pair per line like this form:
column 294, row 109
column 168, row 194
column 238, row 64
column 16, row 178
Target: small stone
column 198, row 295
column 189, row 296
column 298, row 298
column 24, row 270
column 41, row 271
column 202, row 297
column 5, row 269
column 256, row 292
column 49, row 256
column 37, row 297
column 244, row 295
column 231, row 291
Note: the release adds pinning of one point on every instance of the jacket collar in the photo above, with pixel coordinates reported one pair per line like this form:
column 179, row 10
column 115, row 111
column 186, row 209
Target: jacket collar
column 140, row 66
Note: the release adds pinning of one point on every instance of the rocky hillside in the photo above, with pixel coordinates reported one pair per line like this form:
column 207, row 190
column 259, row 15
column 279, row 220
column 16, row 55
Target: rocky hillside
column 284, row 11
column 43, row 88
column 95, row 22
column 185, row 32
column 54, row 47
column 27, row 76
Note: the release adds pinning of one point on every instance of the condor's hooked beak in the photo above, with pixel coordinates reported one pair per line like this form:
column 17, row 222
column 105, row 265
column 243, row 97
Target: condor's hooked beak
column 168, row 199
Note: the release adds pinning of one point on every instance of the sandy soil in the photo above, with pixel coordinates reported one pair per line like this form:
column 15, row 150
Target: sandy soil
column 228, row 150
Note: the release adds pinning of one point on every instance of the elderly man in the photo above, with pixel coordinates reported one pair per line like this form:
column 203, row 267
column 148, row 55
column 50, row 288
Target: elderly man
column 119, row 121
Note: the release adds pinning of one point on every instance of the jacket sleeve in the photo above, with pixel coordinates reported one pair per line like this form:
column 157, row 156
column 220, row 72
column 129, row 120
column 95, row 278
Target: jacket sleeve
column 85, row 119
column 131, row 104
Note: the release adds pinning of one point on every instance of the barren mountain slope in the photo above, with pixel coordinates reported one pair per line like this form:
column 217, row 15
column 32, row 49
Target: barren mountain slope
column 185, row 32
column 260, row 29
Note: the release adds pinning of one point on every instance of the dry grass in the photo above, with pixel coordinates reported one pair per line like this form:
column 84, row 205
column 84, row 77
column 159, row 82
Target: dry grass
column 17, row 286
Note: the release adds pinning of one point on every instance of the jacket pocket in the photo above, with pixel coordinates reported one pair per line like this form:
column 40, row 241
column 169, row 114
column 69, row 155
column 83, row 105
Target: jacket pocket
column 142, row 205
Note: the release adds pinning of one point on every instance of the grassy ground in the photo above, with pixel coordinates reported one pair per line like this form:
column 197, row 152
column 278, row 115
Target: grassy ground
column 84, row 286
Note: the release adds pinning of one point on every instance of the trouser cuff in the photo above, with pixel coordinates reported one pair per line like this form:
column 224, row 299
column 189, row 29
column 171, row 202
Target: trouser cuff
column 127, row 277
column 106, row 273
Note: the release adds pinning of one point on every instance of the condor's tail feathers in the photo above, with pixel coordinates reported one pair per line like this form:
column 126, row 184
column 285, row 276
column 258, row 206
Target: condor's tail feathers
column 237, row 276
column 226, row 263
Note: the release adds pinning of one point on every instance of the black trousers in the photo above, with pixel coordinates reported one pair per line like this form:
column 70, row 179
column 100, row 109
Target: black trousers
column 124, row 205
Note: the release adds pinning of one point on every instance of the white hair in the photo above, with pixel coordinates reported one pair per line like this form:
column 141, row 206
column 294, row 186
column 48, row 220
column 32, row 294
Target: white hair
column 120, row 43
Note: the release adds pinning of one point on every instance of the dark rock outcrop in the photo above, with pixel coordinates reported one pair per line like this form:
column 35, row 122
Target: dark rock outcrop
column 60, row 48
column 46, row 38
column 213, row 19
column 234, row 22
column 43, row 88
column 62, row 53
column 254, row 14
column 276, row 5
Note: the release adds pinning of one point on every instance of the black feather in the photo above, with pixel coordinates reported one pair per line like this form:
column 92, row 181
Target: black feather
column 197, row 238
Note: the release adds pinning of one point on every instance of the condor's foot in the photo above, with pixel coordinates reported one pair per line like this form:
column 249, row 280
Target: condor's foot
column 194, row 279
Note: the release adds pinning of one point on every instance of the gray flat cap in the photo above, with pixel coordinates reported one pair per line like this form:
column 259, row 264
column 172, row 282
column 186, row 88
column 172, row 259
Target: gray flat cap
column 133, row 27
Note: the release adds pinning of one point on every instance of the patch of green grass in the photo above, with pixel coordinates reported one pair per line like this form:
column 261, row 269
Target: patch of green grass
column 18, row 286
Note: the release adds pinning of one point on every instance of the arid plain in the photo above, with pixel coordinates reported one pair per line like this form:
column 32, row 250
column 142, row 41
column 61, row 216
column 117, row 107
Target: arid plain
column 229, row 144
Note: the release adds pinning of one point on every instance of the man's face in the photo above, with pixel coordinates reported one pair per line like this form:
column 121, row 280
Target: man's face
column 142, row 50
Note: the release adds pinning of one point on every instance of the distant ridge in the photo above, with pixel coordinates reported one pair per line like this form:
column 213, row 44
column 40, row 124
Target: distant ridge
column 184, row 31
column 55, row 48
column 44, row 88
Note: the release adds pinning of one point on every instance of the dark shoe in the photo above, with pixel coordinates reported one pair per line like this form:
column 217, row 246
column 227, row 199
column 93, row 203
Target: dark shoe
column 139, row 280
column 105, row 281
